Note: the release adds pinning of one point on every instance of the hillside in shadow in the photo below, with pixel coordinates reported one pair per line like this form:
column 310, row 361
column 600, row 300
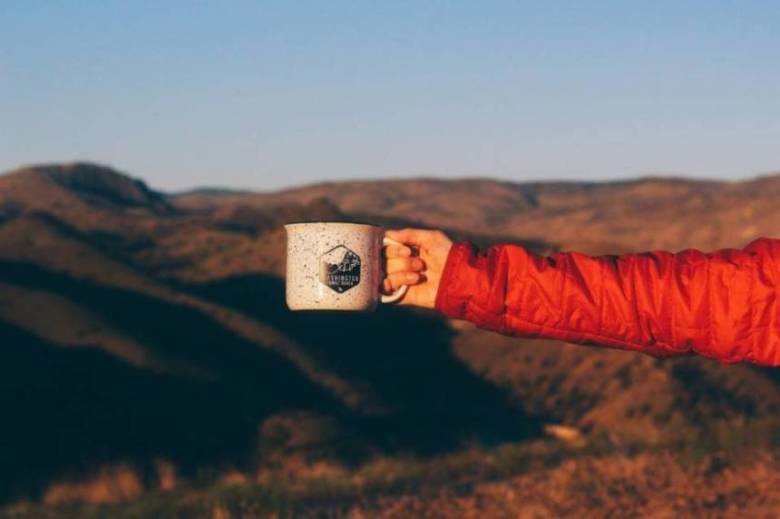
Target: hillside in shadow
column 72, row 409
column 429, row 401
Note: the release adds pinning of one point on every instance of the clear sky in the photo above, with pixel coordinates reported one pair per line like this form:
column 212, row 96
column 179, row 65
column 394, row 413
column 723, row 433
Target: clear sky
column 266, row 94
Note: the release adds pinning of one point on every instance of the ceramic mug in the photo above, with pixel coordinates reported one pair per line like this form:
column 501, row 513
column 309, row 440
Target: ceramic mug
column 336, row 266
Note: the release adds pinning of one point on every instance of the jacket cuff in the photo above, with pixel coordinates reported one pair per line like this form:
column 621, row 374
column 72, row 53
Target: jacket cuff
column 455, row 286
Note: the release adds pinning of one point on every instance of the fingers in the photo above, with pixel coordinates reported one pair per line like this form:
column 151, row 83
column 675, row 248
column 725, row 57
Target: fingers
column 405, row 265
column 397, row 251
column 412, row 236
column 402, row 267
column 403, row 271
column 395, row 280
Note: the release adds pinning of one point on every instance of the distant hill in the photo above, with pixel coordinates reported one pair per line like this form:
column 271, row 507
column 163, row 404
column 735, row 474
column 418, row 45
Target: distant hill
column 81, row 184
column 212, row 191
column 594, row 217
column 138, row 326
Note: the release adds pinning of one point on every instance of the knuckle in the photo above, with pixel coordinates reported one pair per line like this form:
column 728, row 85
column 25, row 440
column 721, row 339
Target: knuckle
column 396, row 279
column 396, row 265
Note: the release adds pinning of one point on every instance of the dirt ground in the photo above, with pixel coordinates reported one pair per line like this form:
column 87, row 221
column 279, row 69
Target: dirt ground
column 644, row 486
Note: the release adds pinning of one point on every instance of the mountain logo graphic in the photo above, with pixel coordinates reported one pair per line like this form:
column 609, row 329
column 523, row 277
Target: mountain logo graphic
column 340, row 269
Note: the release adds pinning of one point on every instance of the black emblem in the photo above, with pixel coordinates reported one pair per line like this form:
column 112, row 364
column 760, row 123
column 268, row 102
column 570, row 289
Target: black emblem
column 340, row 269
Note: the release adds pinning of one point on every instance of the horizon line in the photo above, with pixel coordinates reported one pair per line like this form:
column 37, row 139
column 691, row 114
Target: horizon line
column 638, row 177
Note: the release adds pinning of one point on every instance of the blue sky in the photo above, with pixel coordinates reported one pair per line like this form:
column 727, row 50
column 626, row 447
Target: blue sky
column 271, row 94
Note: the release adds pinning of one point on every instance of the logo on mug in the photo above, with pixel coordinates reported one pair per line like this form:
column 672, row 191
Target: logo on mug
column 340, row 269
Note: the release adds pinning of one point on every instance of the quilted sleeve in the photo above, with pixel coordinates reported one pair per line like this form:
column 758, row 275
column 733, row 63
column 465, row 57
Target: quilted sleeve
column 721, row 305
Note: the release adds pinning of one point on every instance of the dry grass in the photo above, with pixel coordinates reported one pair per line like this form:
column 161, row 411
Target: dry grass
column 116, row 485
column 544, row 478
column 648, row 485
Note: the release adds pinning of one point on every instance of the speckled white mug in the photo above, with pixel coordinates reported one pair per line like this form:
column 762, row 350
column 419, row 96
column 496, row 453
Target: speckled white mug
column 336, row 266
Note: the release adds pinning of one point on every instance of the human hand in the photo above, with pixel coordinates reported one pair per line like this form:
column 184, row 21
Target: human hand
column 418, row 263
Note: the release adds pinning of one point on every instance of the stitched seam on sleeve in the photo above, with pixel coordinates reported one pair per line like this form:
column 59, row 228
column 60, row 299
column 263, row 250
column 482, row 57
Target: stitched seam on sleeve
column 634, row 306
column 672, row 286
column 772, row 267
column 475, row 310
column 751, row 346
column 710, row 322
column 634, row 346
column 776, row 288
column 602, row 305
column 562, row 296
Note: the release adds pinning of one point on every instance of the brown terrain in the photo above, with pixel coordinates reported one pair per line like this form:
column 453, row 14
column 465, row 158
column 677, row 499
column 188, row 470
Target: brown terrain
column 152, row 369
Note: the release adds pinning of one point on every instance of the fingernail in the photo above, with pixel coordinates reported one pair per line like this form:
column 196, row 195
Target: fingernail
column 411, row 277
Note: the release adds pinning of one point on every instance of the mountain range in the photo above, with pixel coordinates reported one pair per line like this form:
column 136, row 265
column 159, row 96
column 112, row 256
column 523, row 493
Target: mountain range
column 145, row 328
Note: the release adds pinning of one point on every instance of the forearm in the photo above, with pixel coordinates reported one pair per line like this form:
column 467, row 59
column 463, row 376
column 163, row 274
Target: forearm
column 721, row 305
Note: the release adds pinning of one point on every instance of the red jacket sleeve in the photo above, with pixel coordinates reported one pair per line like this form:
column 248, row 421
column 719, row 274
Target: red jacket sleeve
column 722, row 305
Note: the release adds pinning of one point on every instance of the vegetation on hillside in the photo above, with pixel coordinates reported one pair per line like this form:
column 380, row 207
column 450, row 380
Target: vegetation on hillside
column 151, row 367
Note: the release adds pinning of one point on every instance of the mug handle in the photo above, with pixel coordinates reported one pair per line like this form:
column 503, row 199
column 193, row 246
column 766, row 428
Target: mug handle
column 401, row 292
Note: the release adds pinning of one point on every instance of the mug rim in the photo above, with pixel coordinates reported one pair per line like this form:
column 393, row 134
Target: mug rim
column 326, row 222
